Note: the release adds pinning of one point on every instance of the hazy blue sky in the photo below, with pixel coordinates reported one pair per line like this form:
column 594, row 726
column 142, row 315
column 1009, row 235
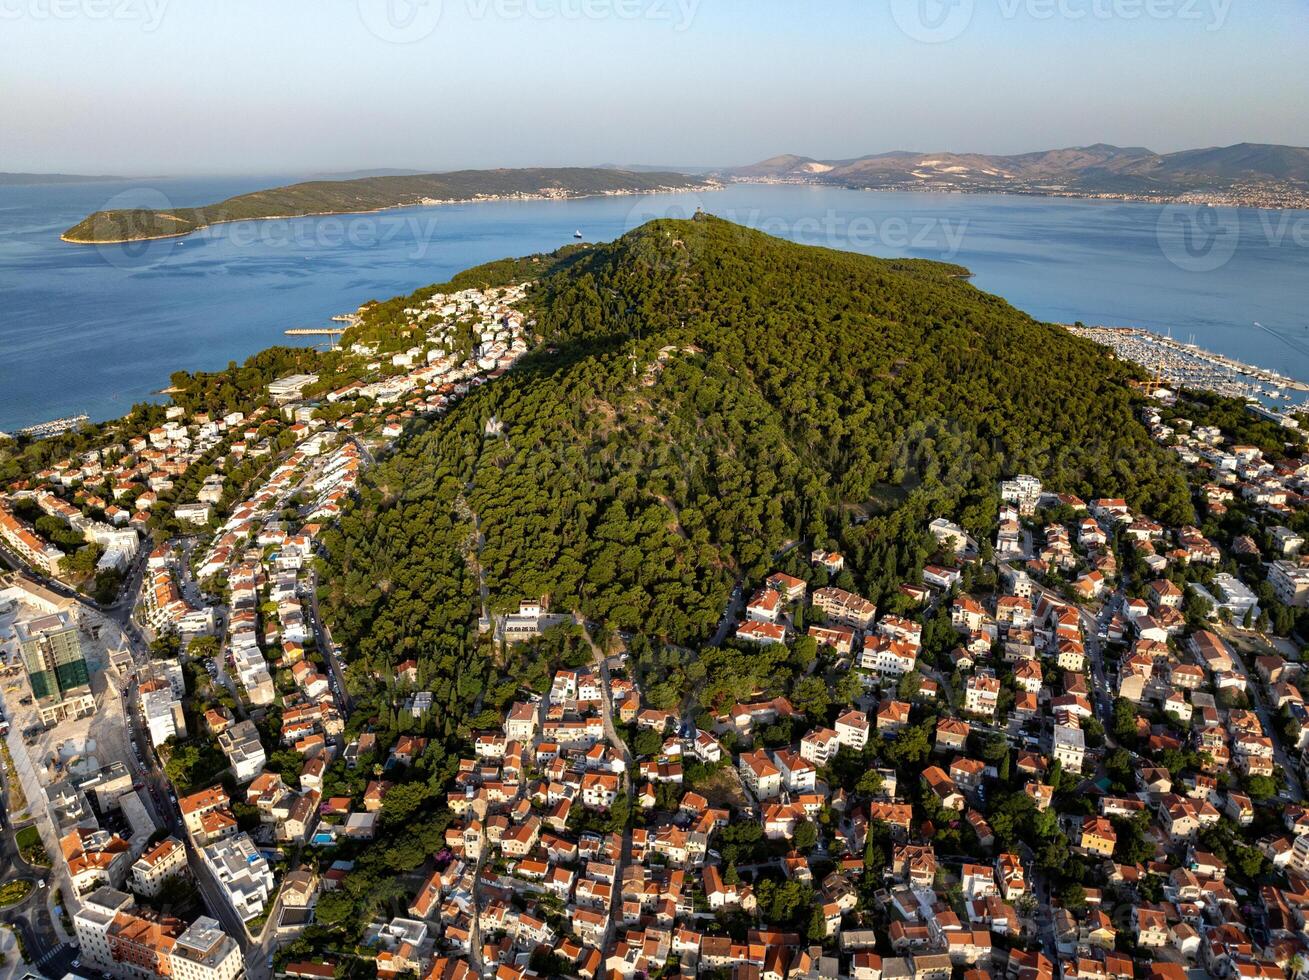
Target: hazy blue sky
column 261, row 86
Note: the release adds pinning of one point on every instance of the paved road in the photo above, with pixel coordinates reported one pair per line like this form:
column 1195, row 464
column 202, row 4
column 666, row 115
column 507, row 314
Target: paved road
column 1102, row 699
column 1041, row 889
column 31, row 917
column 731, row 616
column 323, row 637
column 615, row 740
column 52, row 957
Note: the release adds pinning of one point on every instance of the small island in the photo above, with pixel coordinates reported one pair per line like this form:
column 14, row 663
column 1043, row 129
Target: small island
column 320, row 197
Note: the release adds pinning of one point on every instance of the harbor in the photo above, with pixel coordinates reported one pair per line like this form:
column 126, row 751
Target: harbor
column 55, row 427
column 1173, row 363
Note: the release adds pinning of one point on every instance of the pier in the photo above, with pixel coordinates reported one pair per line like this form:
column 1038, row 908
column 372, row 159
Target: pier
column 333, row 334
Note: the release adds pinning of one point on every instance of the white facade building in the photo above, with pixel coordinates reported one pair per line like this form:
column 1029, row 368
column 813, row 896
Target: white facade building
column 163, row 716
column 205, row 952
column 92, row 922
column 1290, row 581
column 244, row 751
column 242, row 872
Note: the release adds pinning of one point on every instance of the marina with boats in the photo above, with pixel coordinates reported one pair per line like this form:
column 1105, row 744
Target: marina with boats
column 55, row 427
column 1173, row 363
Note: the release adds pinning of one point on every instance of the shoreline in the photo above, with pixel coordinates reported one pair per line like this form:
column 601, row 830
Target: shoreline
column 429, row 203
column 1097, row 334
column 1188, row 198
column 710, row 187
column 151, row 394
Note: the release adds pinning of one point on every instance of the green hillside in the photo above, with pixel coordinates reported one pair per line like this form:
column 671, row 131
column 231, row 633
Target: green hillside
column 367, row 194
column 801, row 393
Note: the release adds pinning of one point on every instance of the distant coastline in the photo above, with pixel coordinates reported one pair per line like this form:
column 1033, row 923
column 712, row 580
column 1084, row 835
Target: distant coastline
column 1260, row 199
column 374, row 194
column 195, row 322
column 1255, row 175
column 486, row 199
column 28, row 180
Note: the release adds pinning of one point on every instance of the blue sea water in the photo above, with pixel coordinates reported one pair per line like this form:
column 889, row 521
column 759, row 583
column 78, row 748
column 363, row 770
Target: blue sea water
column 96, row 328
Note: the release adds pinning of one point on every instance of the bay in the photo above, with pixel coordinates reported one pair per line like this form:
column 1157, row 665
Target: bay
column 96, row 328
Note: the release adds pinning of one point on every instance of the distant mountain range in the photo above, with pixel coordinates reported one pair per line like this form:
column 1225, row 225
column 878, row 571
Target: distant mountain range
column 16, row 180
column 1250, row 172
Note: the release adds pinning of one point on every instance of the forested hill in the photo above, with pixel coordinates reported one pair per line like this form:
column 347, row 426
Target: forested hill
column 703, row 396
column 370, row 194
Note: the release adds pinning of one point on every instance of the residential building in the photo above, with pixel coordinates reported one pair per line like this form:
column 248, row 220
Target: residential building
column 242, row 873
column 844, row 608
column 56, row 667
column 244, row 751
column 92, row 920
column 753, row 631
column 852, row 729
column 758, row 772
column 164, row 716
column 1290, row 582
column 205, row 952
column 1024, row 492
column 161, row 862
column 982, row 694
column 196, row 807
column 1069, row 747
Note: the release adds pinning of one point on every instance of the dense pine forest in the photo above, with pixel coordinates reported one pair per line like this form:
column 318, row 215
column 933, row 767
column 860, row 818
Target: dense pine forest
column 703, row 398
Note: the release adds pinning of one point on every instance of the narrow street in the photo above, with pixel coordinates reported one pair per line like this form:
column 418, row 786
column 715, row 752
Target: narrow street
column 323, row 637
column 731, row 616
column 601, row 662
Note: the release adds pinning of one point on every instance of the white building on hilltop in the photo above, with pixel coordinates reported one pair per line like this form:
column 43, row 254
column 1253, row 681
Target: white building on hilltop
column 289, row 389
column 948, row 535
